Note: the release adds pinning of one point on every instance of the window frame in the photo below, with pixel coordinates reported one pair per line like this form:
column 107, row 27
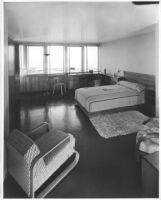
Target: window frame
column 66, row 58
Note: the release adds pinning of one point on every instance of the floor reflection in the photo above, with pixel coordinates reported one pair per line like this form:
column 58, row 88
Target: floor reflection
column 34, row 110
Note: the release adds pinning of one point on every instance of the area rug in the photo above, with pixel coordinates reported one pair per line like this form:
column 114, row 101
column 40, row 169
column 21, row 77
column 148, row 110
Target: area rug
column 115, row 124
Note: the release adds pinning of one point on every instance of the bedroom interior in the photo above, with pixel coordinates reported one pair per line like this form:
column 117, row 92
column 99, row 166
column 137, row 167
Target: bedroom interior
column 81, row 100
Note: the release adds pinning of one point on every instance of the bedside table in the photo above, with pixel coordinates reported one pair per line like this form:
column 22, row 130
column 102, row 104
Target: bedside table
column 150, row 175
column 114, row 79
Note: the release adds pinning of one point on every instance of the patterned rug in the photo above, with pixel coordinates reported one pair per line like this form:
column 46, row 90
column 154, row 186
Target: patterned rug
column 122, row 123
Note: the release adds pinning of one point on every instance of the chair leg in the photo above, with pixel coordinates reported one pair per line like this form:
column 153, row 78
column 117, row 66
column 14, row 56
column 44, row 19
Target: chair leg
column 53, row 90
column 65, row 89
column 61, row 88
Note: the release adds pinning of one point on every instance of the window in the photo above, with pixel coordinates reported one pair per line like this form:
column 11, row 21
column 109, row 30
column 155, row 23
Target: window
column 91, row 58
column 22, row 60
column 75, row 59
column 56, row 63
column 54, row 59
column 35, row 59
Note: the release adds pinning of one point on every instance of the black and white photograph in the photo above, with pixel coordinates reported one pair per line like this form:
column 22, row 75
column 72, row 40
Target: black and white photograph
column 79, row 99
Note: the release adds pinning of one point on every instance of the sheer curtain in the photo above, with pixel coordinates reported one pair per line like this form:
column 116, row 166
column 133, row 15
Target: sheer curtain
column 23, row 67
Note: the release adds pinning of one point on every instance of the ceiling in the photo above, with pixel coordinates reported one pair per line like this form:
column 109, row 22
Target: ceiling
column 72, row 22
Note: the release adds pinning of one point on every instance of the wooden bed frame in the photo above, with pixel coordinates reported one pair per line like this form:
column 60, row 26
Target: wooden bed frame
column 88, row 114
column 145, row 79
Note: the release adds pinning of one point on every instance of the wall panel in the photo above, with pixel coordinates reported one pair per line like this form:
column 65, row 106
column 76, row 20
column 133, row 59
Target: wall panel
column 145, row 79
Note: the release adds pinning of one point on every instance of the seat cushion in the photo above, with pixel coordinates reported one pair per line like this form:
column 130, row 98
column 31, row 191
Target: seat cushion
column 49, row 140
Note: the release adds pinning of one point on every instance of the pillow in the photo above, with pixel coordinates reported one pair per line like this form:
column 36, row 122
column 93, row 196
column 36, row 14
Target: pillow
column 135, row 86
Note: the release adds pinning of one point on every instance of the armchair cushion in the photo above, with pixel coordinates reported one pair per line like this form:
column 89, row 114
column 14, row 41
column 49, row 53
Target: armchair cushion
column 49, row 140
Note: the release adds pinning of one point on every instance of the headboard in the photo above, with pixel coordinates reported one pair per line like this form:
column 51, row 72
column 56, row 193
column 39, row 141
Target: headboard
column 145, row 79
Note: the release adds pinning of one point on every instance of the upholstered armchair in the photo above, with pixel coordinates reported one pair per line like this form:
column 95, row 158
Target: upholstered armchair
column 33, row 158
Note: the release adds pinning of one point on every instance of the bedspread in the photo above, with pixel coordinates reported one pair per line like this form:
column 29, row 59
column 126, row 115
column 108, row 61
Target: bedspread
column 86, row 96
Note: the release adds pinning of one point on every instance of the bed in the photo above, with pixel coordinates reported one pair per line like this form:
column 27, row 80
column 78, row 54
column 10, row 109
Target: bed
column 124, row 93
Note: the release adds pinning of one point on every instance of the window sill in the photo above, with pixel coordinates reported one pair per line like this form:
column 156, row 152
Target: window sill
column 60, row 74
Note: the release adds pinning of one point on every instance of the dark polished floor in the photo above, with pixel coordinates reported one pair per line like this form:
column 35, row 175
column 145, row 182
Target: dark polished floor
column 107, row 167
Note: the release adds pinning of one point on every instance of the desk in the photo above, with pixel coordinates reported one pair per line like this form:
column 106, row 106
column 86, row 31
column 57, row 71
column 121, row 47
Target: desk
column 44, row 82
column 82, row 80
column 150, row 175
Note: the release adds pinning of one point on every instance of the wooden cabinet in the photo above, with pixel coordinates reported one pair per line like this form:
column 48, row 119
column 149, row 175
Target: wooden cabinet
column 150, row 102
column 40, row 83
column 73, row 82
column 150, row 175
column 34, row 83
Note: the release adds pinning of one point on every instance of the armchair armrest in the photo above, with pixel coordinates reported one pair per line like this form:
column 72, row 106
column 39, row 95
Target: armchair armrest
column 21, row 151
column 18, row 168
column 23, row 145
column 55, row 148
column 37, row 132
column 19, row 141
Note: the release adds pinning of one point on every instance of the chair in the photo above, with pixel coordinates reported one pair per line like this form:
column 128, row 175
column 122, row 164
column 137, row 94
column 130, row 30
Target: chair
column 33, row 158
column 60, row 84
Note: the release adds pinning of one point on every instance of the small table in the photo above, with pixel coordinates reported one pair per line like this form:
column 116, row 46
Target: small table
column 150, row 175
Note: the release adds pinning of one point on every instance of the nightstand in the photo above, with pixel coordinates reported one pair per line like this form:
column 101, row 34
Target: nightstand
column 150, row 175
column 114, row 80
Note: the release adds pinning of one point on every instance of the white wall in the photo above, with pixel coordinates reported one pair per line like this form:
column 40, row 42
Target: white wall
column 157, row 71
column 6, row 86
column 2, row 171
column 135, row 54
